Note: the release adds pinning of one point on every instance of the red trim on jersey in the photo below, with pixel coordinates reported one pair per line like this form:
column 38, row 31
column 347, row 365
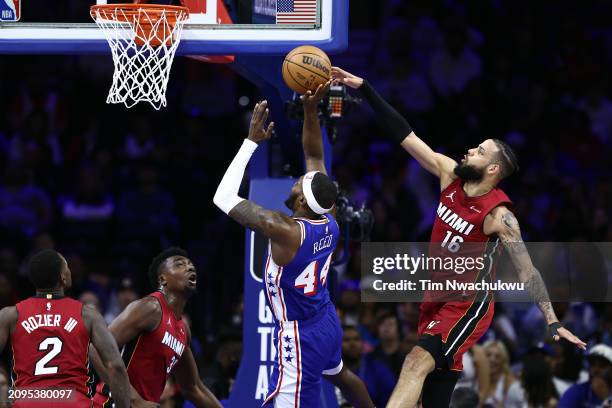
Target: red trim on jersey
column 302, row 231
column 325, row 221
column 280, row 291
column 280, row 364
column 266, row 283
column 297, row 363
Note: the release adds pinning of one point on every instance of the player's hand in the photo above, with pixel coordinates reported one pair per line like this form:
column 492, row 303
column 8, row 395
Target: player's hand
column 562, row 332
column 257, row 132
column 346, row 78
column 310, row 100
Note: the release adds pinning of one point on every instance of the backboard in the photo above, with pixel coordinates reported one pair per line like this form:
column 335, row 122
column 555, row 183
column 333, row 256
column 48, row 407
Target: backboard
column 273, row 27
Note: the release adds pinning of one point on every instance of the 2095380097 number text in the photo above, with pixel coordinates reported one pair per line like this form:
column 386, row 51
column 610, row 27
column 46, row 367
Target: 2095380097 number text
column 39, row 394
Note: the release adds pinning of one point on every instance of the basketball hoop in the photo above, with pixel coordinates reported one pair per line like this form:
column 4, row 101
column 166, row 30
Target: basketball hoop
column 143, row 39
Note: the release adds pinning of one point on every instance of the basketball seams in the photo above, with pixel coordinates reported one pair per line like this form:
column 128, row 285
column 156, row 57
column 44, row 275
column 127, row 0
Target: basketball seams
column 286, row 68
column 310, row 53
column 306, row 69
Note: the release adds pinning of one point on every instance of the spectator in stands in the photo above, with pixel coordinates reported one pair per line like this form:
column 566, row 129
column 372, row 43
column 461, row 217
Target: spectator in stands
column 535, row 388
column 140, row 143
column 147, row 212
column 378, row 379
column 464, row 397
column 476, row 372
column 389, row 349
column 120, row 298
column 501, row 376
column 89, row 298
column 36, row 147
column 455, row 65
column 219, row 378
column 598, row 388
column 24, row 208
column 566, row 363
column 91, row 201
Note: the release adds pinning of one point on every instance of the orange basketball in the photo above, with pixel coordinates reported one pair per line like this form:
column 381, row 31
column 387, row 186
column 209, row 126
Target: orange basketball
column 305, row 68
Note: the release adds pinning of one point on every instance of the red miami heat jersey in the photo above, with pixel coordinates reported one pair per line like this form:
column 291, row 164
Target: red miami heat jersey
column 151, row 357
column 50, row 348
column 459, row 221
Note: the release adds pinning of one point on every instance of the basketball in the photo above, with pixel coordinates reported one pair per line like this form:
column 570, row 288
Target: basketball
column 305, row 68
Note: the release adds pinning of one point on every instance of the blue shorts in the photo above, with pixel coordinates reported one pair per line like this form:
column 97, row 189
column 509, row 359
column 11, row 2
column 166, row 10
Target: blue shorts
column 304, row 351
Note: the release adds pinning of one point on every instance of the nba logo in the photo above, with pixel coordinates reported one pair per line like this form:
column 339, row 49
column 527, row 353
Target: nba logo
column 10, row 10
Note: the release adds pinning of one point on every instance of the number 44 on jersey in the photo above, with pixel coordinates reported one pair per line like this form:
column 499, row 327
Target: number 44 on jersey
column 308, row 278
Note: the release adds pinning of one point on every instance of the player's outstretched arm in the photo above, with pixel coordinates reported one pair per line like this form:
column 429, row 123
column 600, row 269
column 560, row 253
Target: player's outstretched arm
column 274, row 225
column 397, row 128
column 140, row 316
column 186, row 374
column 8, row 318
column 108, row 352
column 353, row 389
column 312, row 140
column 502, row 222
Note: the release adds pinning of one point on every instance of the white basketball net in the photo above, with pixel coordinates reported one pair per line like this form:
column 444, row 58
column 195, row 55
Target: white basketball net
column 142, row 56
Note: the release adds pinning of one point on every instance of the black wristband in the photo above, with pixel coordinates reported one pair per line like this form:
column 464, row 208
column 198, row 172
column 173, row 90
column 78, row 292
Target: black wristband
column 389, row 119
column 554, row 327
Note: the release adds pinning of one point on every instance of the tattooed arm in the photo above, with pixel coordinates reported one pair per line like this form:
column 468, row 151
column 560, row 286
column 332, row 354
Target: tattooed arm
column 504, row 224
column 284, row 232
column 273, row 224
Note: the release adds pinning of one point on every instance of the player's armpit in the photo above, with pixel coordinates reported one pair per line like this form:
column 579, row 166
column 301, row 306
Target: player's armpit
column 273, row 224
column 186, row 374
column 8, row 318
column 142, row 315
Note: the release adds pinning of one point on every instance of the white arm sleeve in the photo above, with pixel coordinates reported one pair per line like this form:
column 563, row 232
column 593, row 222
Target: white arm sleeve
column 226, row 196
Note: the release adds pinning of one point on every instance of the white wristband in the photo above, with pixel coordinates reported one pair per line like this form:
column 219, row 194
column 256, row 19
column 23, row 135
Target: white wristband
column 226, row 196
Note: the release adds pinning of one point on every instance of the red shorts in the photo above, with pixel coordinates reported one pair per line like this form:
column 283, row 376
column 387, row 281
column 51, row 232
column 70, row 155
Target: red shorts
column 100, row 398
column 447, row 330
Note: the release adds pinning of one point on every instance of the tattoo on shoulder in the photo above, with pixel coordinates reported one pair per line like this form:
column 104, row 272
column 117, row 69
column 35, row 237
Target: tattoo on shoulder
column 509, row 221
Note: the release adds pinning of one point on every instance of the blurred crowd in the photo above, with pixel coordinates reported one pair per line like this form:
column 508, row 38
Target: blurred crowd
column 109, row 188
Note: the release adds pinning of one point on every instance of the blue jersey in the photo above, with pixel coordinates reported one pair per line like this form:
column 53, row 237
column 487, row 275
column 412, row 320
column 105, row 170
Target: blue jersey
column 298, row 290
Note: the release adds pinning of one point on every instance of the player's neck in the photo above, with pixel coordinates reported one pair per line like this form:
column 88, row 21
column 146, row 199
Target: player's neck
column 475, row 189
column 308, row 215
column 176, row 302
column 52, row 292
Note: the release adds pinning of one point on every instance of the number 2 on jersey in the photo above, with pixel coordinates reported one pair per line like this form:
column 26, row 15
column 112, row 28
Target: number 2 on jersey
column 56, row 347
column 308, row 278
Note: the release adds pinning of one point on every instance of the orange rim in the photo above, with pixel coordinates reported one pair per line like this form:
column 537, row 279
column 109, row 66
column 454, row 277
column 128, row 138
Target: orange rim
column 143, row 17
column 130, row 9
